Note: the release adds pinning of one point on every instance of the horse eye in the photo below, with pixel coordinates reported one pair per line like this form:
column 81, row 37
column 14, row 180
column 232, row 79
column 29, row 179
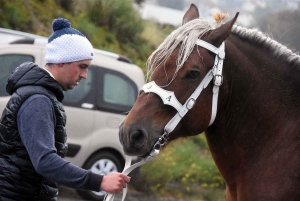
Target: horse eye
column 192, row 74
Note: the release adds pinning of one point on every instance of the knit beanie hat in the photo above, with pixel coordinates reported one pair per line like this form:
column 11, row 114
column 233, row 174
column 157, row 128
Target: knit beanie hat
column 67, row 44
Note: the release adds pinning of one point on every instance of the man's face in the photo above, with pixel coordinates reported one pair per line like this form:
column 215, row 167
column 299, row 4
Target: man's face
column 71, row 73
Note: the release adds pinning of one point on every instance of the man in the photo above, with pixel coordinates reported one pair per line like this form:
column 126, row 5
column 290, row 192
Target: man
column 32, row 126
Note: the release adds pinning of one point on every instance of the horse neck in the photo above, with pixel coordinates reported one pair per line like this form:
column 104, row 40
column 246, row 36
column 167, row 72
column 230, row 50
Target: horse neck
column 258, row 101
column 257, row 85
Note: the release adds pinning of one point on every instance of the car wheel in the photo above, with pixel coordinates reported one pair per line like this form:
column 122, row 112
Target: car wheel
column 102, row 163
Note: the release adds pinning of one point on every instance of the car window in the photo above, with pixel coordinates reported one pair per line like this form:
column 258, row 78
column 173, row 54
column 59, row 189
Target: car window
column 116, row 92
column 8, row 63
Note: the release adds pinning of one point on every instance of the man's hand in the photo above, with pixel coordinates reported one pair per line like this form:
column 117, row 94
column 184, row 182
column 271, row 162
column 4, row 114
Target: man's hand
column 114, row 182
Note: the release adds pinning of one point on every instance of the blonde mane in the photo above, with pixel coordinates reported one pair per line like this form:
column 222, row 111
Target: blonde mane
column 258, row 38
column 186, row 34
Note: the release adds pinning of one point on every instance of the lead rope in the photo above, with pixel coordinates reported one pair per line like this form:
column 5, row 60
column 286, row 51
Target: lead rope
column 128, row 168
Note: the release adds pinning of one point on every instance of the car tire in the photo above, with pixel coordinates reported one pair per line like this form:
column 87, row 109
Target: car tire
column 102, row 163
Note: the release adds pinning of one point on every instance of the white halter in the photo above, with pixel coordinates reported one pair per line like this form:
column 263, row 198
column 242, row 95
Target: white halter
column 169, row 98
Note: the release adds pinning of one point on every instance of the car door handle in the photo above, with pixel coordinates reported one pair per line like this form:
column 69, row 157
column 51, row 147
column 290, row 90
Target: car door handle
column 87, row 105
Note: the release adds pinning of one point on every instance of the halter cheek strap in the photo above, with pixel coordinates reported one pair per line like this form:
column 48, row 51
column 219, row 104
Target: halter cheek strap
column 218, row 80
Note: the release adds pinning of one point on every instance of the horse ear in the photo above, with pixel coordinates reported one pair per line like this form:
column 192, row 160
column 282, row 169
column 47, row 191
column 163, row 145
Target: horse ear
column 191, row 14
column 218, row 35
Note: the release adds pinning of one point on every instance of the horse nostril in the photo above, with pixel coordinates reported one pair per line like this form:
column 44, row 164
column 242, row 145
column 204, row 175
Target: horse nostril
column 137, row 136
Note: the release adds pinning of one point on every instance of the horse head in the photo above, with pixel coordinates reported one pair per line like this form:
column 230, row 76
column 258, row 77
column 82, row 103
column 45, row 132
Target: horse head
column 177, row 67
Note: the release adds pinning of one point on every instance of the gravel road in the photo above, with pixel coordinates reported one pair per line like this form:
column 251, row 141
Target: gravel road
column 67, row 194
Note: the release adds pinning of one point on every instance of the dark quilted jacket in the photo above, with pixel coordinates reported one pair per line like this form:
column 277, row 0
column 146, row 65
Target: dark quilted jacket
column 18, row 178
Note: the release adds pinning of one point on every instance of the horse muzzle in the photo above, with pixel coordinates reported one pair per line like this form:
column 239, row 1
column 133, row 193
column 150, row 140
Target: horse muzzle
column 134, row 141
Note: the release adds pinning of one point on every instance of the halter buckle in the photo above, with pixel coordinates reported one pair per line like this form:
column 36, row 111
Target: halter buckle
column 190, row 103
column 218, row 80
column 162, row 141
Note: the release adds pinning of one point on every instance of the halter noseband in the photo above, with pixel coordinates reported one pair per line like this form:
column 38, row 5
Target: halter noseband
column 169, row 98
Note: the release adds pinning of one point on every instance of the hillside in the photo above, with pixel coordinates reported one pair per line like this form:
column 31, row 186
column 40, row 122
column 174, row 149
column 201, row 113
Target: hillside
column 110, row 25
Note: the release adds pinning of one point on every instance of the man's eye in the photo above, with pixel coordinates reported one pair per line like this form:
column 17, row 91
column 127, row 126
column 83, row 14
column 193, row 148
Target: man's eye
column 84, row 67
column 193, row 74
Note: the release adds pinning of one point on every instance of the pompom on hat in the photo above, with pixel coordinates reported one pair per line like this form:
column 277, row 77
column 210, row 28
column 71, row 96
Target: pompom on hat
column 67, row 44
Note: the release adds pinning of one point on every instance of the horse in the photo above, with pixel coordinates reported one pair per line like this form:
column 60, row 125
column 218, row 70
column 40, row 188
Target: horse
column 238, row 86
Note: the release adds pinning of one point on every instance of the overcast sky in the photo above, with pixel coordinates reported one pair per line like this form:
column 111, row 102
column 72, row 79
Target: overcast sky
column 249, row 10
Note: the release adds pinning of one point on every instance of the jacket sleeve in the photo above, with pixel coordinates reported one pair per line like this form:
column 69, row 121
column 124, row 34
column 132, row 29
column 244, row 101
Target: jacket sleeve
column 35, row 121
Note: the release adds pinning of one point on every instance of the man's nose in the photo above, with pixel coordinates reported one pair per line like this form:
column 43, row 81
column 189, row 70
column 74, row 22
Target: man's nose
column 84, row 73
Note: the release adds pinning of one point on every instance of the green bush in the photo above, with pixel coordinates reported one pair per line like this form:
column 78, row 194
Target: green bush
column 14, row 15
column 120, row 28
column 117, row 16
column 184, row 168
column 110, row 25
column 33, row 16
